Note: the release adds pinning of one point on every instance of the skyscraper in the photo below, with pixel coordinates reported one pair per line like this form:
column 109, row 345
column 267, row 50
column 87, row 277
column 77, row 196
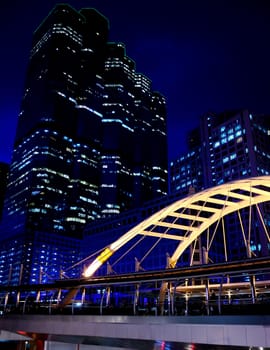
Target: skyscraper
column 84, row 142
column 134, row 144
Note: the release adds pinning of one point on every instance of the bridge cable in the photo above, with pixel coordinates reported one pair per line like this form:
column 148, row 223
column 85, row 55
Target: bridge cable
column 224, row 240
column 263, row 223
column 126, row 252
column 242, row 229
column 84, row 259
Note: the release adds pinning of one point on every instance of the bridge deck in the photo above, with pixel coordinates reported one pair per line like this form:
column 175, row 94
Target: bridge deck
column 225, row 330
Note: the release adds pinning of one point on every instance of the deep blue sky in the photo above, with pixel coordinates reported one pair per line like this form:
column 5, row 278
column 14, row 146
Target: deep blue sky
column 201, row 55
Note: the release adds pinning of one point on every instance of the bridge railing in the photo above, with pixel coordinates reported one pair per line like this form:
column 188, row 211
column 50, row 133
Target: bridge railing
column 195, row 307
column 119, row 301
column 232, row 288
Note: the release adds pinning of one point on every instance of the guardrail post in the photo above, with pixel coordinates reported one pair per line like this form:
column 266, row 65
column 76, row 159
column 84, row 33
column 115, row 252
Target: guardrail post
column 253, row 288
column 136, row 298
column 207, row 296
column 219, row 295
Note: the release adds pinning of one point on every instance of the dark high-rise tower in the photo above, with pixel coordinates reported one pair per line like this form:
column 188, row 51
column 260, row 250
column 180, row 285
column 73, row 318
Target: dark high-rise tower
column 54, row 172
column 134, row 144
column 90, row 141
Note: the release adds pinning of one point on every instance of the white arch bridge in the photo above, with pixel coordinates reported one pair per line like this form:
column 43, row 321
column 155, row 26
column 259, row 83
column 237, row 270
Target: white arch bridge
column 200, row 224
column 187, row 219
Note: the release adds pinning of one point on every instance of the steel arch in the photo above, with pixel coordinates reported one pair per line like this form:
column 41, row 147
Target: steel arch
column 186, row 219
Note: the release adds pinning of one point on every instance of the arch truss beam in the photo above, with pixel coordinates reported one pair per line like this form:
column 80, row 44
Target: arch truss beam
column 186, row 219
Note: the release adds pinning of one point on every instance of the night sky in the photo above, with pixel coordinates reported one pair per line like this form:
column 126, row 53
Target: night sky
column 201, row 55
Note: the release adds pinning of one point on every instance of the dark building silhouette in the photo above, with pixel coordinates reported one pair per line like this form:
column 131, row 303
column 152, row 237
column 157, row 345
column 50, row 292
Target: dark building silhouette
column 90, row 142
column 134, row 143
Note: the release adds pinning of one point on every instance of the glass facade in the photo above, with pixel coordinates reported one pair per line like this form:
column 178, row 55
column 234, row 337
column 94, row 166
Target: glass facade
column 232, row 145
column 38, row 258
column 134, row 123
column 77, row 153
column 186, row 172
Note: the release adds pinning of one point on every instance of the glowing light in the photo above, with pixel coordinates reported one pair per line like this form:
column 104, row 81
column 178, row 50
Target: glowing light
column 92, row 268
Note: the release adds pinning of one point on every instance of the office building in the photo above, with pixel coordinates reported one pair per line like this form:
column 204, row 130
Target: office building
column 186, row 172
column 134, row 143
column 84, row 145
column 233, row 145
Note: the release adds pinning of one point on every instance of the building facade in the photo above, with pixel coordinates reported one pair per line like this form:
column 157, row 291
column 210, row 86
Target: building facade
column 83, row 146
column 187, row 171
column 134, row 143
column 233, row 145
